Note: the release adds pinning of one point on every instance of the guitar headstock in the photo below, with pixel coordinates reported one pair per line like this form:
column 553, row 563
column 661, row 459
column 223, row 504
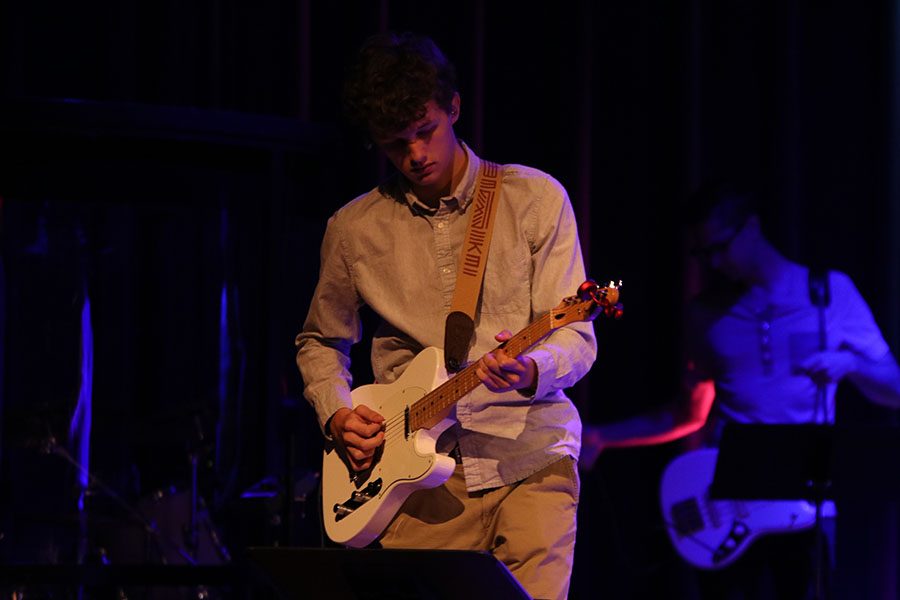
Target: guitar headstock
column 591, row 300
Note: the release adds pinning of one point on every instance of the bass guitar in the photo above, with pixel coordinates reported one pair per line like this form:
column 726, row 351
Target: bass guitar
column 711, row 534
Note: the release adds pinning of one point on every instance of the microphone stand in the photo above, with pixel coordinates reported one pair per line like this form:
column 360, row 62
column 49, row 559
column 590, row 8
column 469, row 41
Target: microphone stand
column 819, row 294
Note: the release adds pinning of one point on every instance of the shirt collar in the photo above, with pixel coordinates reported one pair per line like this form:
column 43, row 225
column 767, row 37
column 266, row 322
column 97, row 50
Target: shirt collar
column 461, row 196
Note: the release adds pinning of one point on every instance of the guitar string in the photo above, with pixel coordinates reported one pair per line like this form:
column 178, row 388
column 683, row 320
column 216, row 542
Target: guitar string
column 393, row 431
column 725, row 511
column 522, row 339
column 730, row 509
column 402, row 415
column 462, row 381
column 454, row 391
column 724, row 508
column 736, row 509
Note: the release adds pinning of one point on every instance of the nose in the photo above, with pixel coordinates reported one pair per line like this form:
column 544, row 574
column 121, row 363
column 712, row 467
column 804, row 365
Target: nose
column 418, row 153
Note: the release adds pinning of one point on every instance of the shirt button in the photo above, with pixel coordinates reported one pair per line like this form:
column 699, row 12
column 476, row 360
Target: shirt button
column 440, row 225
column 445, row 270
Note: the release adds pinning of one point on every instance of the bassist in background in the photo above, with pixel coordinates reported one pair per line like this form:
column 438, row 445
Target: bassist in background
column 396, row 249
column 753, row 356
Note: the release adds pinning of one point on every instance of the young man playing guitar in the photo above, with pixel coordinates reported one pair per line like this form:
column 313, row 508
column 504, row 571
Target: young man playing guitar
column 764, row 345
column 514, row 489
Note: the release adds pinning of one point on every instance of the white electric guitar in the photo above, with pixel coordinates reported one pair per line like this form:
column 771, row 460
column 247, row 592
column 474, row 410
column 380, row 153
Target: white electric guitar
column 711, row 534
column 357, row 506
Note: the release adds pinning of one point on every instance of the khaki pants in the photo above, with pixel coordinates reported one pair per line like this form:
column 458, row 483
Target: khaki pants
column 529, row 526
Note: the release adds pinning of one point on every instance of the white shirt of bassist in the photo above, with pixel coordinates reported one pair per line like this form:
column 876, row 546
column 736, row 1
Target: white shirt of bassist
column 387, row 250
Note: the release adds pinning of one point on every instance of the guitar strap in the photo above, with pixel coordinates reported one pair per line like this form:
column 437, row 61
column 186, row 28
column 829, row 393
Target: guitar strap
column 460, row 325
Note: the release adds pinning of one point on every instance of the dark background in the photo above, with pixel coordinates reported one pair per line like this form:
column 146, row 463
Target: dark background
column 173, row 163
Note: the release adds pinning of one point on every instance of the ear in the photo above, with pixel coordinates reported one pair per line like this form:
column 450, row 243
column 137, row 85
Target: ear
column 454, row 108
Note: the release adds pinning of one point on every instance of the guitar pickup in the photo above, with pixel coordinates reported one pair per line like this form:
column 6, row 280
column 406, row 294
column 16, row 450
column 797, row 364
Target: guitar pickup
column 357, row 499
column 686, row 517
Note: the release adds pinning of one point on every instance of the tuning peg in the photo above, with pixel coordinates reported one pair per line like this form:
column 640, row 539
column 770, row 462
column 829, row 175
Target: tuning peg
column 615, row 311
column 587, row 289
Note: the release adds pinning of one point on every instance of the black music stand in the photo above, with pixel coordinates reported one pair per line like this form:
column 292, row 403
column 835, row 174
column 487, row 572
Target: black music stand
column 854, row 465
column 369, row 574
column 774, row 462
column 787, row 462
column 778, row 462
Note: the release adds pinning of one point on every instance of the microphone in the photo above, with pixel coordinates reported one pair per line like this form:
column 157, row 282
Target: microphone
column 819, row 290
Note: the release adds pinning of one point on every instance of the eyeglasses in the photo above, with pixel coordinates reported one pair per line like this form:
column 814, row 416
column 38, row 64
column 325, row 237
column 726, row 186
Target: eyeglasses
column 708, row 251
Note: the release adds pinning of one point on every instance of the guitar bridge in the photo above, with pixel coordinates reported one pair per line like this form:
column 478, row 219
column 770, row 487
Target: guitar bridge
column 357, row 499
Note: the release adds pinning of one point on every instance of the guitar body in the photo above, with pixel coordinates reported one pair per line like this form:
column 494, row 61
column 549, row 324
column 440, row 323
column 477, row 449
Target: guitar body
column 711, row 534
column 407, row 461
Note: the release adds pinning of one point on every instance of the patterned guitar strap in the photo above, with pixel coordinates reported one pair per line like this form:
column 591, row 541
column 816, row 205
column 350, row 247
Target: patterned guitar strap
column 460, row 325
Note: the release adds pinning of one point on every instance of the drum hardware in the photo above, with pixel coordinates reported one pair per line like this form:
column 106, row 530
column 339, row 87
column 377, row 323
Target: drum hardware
column 168, row 547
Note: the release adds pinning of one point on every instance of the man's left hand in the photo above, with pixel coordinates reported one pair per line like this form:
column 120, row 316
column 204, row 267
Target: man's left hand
column 499, row 372
column 828, row 367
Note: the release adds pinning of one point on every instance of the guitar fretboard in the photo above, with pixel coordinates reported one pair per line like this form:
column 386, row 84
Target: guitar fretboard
column 423, row 411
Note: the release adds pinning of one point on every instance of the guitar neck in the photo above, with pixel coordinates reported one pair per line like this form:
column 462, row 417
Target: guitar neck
column 426, row 409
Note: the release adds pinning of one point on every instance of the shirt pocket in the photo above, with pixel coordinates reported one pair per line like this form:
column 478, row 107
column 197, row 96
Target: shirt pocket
column 507, row 280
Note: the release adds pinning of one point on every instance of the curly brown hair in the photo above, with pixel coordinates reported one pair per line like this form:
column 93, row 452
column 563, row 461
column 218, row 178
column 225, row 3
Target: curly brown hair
column 394, row 76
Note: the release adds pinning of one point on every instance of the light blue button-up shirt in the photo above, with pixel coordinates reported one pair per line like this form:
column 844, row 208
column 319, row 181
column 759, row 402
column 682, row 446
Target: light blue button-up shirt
column 387, row 250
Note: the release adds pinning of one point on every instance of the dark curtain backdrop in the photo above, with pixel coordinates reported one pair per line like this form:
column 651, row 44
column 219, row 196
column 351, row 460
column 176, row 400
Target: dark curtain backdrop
column 175, row 163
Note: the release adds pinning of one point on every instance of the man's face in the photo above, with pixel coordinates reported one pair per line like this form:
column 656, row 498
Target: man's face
column 424, row 151
column 725, row 248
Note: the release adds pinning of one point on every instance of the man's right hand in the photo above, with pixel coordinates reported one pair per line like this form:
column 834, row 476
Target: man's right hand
column 359, row 433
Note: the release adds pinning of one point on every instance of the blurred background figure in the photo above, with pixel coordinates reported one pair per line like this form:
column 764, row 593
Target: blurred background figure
column 767, row 340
